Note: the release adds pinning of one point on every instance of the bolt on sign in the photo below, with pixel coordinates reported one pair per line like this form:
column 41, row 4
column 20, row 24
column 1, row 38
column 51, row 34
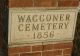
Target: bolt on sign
column 41, row 25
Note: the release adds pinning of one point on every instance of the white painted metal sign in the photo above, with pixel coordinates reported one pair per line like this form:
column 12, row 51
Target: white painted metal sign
column 40, row 25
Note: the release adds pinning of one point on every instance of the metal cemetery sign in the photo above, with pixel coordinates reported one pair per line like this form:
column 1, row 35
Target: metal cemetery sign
column 40, row 25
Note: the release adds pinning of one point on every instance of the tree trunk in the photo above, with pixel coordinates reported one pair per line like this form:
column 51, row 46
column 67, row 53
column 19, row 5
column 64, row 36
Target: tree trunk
column 3, row 27
column 76, row 41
